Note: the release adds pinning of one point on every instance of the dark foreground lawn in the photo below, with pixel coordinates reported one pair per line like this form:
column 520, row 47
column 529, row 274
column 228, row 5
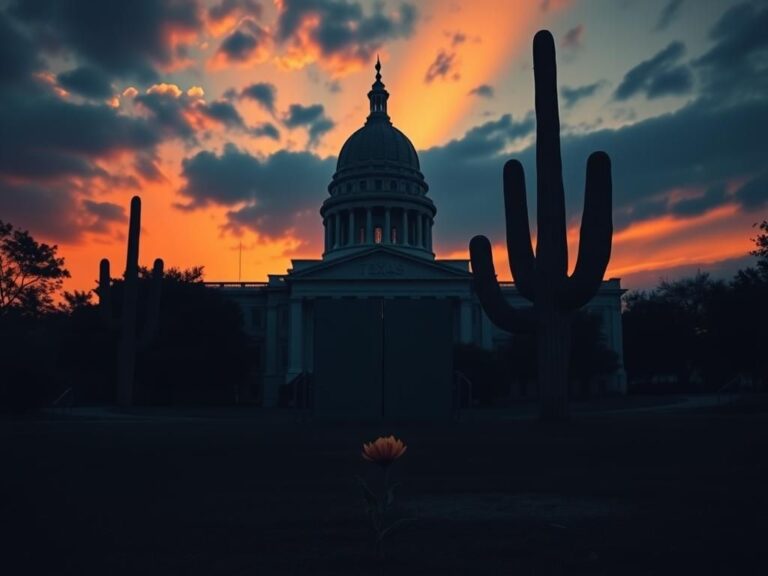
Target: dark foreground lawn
column 676, row 492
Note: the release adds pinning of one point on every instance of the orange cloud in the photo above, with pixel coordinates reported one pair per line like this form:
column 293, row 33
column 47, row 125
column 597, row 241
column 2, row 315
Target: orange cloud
column 196, row 92
column 164, row 88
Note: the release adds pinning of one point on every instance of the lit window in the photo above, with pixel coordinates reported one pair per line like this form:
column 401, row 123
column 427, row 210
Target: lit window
column 394, row 235
column 377, row 235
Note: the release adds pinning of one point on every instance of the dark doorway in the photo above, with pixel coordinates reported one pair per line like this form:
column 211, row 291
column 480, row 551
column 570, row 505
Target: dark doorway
column 418, row 359
column 376, row 358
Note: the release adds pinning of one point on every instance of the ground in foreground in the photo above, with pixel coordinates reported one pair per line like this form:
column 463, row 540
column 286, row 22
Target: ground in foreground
column 677, row 492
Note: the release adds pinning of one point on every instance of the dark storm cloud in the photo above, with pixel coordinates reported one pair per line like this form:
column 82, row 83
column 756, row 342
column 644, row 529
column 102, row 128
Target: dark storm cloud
column 266, row 129
column 167, row 111
column 687, row 148
column 734, row 68
column 86, row 81
column 658, row 76
column 299, row 115
column 488, row 139
column 128, row 39
column 46, row 210
column 224, row 113
column 262, row 92
column 175, row 114
column 711, row 198
column 18, row 55
column 275, row 190
column 484, row 90
column 147, row 168
column 51, row 151
column 668, row 14
column 342, row 27
column 44, row 136
column 443, row 66
column 754, row 194
column 245, row 43
column 103, row 214
column 572, row 95
column 573, row 38
column 312, row 118
column 225, row 8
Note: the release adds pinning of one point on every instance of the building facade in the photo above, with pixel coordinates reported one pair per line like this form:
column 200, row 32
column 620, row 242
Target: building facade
column 368, row 330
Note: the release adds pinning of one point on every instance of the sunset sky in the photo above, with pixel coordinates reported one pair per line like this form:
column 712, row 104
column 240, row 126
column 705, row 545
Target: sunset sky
column 226, row 118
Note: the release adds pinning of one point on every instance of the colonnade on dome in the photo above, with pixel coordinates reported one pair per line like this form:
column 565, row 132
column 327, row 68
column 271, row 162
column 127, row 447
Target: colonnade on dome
column 363, row 223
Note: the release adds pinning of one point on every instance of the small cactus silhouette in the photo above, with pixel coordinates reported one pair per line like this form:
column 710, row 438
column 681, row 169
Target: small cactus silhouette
column 126, row 358
column 543, row 279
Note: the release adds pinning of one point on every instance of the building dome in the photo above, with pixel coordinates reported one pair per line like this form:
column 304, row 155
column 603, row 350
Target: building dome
column 378, row 194
column 378, row 151
column 377, row 144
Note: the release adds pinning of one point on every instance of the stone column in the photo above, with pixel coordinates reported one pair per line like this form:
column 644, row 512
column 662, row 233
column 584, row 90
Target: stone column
column 405, row 227
column 486, row 338
column 387, row 238
column 430, row 223
column 419, row 230
column 351, row 235
column 337, row 230
column 296, row 340
column 615, row 337
column 465, row 322
column 271, row 381
column 368, row 226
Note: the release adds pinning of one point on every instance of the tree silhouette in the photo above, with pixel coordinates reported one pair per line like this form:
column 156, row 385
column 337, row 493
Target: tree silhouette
column 199, row 353
column 761, row 248
column 30, row 273
column 669, row 332
column 698, row 333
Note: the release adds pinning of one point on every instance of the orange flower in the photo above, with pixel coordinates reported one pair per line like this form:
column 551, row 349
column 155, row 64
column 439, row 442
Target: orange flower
column 383, row 451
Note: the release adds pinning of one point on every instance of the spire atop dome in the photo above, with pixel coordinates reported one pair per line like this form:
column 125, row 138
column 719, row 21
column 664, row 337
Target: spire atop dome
column 378, row 97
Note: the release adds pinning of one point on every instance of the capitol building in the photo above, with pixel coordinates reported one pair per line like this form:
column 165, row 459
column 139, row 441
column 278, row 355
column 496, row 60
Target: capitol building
column 368, row 330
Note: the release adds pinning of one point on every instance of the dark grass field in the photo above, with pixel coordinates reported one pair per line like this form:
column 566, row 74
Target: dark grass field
column 669, row 492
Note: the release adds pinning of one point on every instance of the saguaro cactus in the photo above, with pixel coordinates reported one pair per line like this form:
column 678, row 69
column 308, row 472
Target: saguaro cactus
column 543, row 279
column 129, row 340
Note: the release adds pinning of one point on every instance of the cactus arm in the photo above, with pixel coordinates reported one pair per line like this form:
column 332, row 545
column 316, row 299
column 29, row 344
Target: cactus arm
column 595, row 236
column 499, row 311
column 153, row 311
column 104, row 293
column 551, row 247
column 522, row 263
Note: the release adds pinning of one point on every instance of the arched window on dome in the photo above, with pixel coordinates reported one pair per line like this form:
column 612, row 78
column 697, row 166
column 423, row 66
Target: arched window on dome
column 377, row 235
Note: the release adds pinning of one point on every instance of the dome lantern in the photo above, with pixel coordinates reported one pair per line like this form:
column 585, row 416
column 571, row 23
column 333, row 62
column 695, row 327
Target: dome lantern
column 378, row 97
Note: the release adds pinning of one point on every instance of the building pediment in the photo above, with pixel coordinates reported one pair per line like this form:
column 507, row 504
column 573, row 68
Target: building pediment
column 379, row 264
